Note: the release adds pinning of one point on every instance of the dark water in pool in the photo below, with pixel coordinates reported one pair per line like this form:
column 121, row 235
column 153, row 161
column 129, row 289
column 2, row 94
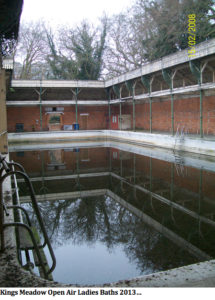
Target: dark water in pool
column 114, row 215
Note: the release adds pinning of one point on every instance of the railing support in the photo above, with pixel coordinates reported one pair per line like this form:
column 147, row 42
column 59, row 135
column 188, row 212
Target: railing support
column 147, row 82
column 5, row 166
column 130, row 85
column 197, row 71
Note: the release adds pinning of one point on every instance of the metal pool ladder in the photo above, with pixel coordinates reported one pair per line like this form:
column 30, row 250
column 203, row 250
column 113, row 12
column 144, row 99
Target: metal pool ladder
column 27, row 237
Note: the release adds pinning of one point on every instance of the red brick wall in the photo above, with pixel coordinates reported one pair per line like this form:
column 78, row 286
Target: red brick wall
column 30, row 117
column 209, row 115
column 97, row 118
column 25, row 115
column 186, row 115
column 161, row 116
column 142, row 116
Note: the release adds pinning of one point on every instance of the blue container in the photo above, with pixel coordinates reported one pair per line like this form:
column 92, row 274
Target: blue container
column 76, row 126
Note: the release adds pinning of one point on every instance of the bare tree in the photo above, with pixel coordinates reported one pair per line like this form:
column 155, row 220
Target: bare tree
column 152, row 29
column 125, row 49
column 31, row 50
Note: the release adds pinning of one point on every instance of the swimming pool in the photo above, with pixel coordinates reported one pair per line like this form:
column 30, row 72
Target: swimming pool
column 113, row 214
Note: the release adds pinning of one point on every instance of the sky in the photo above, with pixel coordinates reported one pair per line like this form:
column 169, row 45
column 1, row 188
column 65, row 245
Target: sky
column 71, row 12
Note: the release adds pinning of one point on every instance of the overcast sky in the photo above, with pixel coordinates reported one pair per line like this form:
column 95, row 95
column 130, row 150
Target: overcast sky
column 57, row 12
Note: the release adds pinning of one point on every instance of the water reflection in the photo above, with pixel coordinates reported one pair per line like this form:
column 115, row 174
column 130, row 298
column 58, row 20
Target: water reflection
column 141, row 208
column 107, row 229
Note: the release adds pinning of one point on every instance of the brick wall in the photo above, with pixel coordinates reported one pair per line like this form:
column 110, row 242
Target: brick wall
column 161, row 116
column 29, row 116
column 186, row 115
column 91, row 117
column 209, row 115
column 187, row 112
column 142, row 116
column 88, row 117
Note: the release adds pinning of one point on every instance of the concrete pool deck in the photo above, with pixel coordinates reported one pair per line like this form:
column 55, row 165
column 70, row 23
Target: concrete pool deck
column 13, row 275
column 193, row 144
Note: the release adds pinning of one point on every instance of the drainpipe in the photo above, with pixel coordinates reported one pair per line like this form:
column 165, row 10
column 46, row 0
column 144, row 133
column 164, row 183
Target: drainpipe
column 147, row 82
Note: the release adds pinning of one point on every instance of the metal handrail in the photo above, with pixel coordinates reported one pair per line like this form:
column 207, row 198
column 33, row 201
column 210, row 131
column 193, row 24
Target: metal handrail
column 23, row 209
column 2, row 133
column 36, row 208
column 18, row 224
column 6, row 167
column 12, row 164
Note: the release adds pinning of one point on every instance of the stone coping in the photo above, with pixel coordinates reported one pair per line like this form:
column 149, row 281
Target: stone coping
column 177, row 143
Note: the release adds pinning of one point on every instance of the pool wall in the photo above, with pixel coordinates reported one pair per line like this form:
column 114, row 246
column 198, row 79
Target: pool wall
column 176, row 143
